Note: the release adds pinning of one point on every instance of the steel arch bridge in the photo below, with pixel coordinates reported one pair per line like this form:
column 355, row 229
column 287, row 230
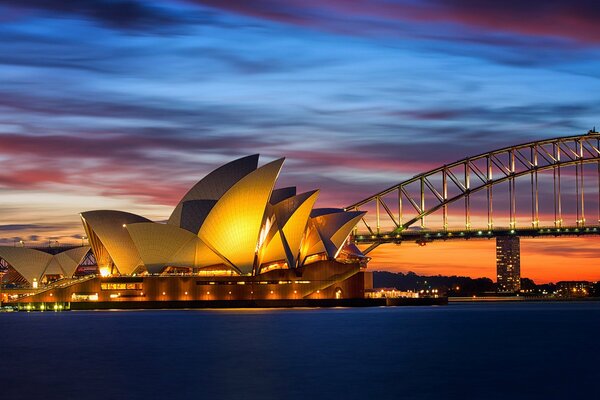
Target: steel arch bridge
column 400, row 212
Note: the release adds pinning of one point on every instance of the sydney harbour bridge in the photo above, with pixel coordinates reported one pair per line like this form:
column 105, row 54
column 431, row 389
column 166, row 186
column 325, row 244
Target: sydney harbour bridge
column 545, row 188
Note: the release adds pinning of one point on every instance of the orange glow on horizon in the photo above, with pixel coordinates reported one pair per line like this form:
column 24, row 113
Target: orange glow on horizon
column 543, row 260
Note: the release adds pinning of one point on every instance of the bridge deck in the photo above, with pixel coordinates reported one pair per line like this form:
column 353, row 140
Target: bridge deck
column 424, row 236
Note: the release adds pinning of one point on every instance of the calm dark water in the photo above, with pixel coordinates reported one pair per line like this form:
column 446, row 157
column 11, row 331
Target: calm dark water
column 471, row 351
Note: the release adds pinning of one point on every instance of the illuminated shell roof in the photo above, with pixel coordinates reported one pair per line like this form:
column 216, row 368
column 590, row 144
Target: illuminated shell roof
column 35, row 264
column 158, row 243
column 194, row 212
column 233, row 218
column 70, row 259
column 29, row 263
column 214, row 185
column 54, row 268
column 161, row 245
column 312, row 243
column 107, row 235
column 233, row 226
column 291, row 217
column 334, row 226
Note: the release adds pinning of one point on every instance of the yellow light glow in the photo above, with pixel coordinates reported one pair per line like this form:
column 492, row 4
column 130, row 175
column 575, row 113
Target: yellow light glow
column 234, row 224
column 104, row 271
column 263, row 233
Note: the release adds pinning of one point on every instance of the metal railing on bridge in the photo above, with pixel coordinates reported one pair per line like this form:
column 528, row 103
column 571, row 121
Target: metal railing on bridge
column 569, row 165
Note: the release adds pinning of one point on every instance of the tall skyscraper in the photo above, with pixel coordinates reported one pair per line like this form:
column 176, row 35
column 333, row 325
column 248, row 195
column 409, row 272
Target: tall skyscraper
column 508, row 263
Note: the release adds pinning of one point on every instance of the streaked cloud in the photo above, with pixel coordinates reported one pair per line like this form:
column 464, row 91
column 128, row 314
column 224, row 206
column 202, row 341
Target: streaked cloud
column 125, row 104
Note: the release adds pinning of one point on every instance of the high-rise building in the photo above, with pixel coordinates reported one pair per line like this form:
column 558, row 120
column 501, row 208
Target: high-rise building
column 508, row 263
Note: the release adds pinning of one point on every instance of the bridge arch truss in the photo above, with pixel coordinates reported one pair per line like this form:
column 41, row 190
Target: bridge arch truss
column 458, row 182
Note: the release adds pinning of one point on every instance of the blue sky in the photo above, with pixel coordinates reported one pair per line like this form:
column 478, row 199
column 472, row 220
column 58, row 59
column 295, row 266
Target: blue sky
column 125, row 104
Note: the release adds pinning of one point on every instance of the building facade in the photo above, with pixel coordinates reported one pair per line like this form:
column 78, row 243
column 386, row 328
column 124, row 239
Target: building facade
column 508, row 264
column 233, row 236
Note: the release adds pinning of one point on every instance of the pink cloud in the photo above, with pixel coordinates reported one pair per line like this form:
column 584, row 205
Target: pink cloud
column 575, row 20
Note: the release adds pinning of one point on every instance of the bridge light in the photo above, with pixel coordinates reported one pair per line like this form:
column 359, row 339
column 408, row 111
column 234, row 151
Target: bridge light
column 512, row 231
column 479, row 232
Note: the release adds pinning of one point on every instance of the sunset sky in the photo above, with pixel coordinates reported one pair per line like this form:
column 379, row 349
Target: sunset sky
column 125, row 104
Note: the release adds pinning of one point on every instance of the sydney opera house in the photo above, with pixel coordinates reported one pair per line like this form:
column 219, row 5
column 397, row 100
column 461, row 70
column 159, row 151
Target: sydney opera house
column 232, row 238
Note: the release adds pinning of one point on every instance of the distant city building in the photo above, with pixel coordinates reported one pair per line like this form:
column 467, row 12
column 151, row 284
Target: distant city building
column 508, row 263
column 574, row 288
column 390, row 293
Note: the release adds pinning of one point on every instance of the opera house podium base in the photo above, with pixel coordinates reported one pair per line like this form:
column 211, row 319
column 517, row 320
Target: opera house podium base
column 231, row 304
column 321, row 284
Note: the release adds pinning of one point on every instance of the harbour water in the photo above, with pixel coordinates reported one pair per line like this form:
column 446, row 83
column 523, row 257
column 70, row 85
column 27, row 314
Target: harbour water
column 459, row 351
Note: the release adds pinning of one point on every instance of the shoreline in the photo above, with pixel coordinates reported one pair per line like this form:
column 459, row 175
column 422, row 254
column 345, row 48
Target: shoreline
column 225, row 304
column 484, row 299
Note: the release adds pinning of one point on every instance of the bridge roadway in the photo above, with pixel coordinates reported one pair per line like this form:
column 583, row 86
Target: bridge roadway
column 424, row 236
